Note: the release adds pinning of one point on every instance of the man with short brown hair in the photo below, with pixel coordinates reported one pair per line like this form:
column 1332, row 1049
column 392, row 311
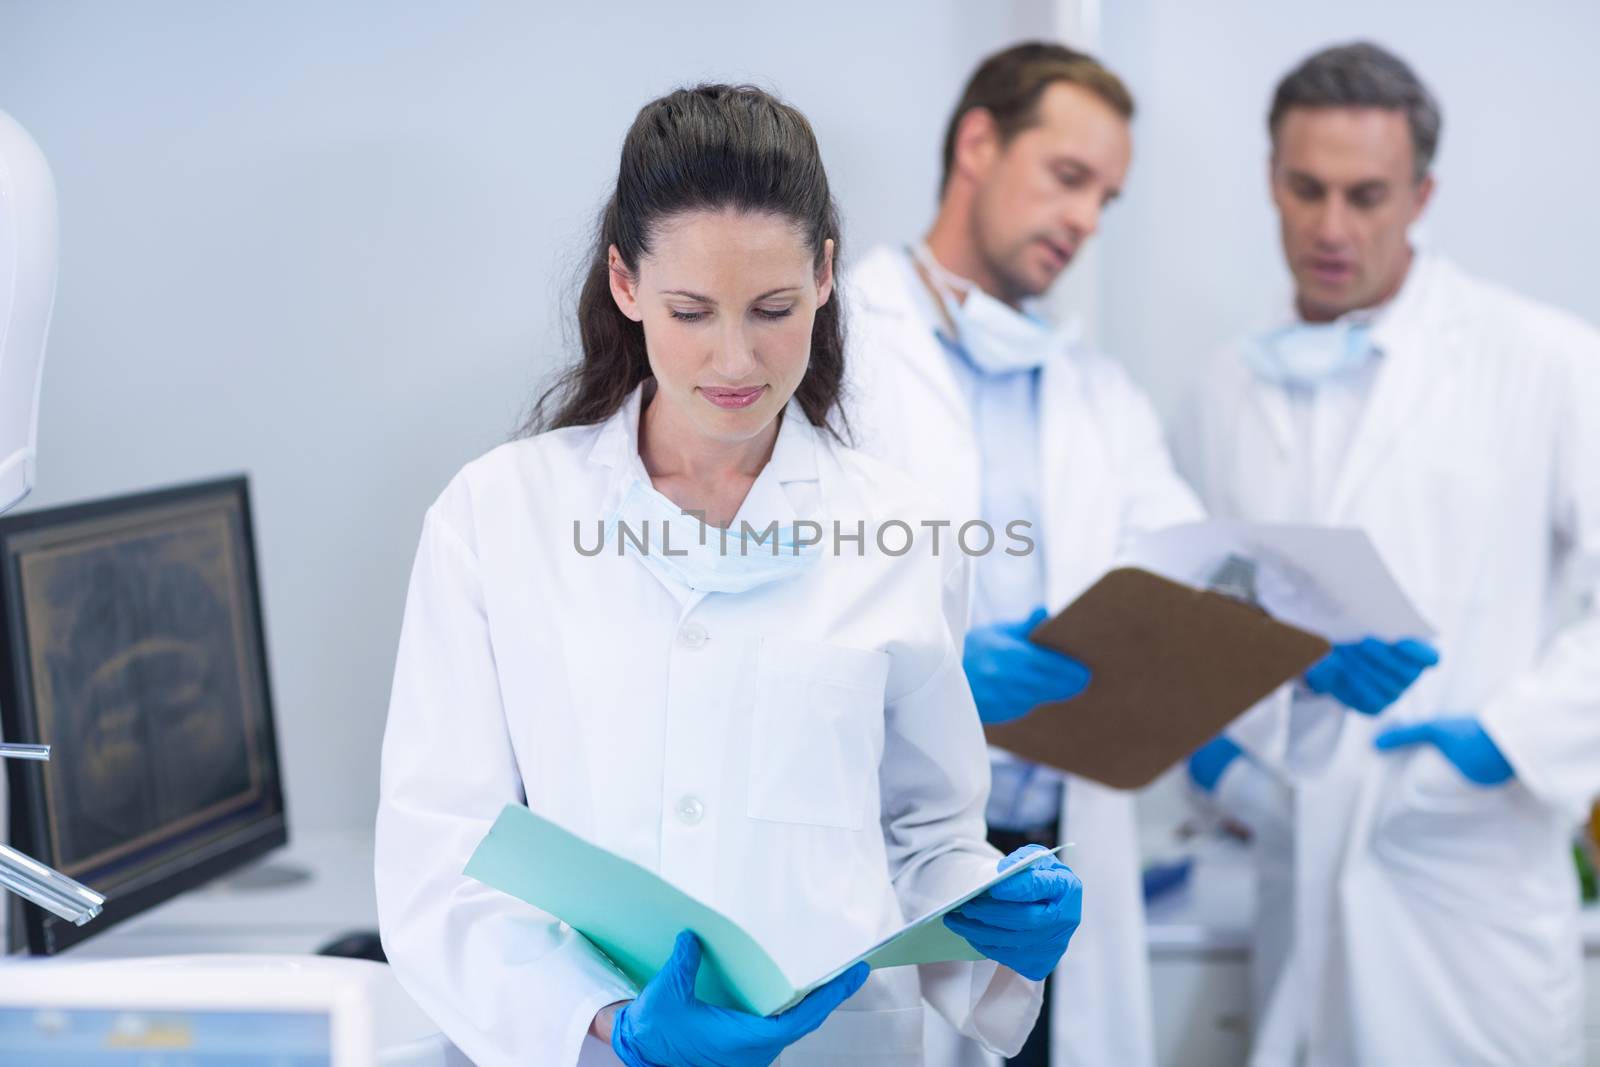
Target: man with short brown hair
column 1010, row 419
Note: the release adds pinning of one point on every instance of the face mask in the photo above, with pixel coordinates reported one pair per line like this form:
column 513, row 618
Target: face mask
column 995, row 337
column 704, row 558
column 1308, row 353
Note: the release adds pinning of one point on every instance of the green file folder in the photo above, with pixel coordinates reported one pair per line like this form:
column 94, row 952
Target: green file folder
column 633, row 916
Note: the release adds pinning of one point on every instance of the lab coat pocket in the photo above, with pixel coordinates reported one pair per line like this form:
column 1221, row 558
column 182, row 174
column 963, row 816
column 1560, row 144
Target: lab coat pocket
column 817, row 733
column 1445, row 832
column 885, row 1037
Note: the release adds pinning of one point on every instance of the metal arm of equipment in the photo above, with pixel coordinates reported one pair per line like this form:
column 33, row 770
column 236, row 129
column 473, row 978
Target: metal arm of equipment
column 32, row 880
column 48, row 887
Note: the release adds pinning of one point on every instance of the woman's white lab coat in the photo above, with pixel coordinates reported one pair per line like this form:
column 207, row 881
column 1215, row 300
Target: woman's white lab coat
column 1437, row 920
column 1106, row 475
column 804, row 757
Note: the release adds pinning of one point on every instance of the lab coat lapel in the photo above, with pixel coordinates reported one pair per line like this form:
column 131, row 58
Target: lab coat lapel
column 616, row 449
column 915, row 413
column 775, row 496
column 784, row 491
column 921, row 351
column 1271, row 404
column 1410, row 334
column 1074, row 494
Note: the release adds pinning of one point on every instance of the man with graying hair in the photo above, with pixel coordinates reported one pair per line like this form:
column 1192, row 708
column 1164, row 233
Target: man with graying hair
column 1434, row 909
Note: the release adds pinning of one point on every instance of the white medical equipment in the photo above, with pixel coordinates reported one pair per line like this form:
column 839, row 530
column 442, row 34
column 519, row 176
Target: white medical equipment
column 189, row 1011
column 27, row 296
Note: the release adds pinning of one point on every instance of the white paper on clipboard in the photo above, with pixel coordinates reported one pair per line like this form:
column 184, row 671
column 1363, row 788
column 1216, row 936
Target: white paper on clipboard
column 1329, row 580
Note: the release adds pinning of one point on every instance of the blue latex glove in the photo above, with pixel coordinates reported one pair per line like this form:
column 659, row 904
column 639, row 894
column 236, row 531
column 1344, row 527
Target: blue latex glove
column 667, row 1027
column 1210, row 760
column 1463, row 742
column 1369, row 675
column 1010, row 675
column 1026, row 921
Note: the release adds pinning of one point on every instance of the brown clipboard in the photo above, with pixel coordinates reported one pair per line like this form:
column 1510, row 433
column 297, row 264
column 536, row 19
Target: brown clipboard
column 1171, row 666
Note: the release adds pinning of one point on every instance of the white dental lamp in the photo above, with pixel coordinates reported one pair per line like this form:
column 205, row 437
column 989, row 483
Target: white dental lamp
column 27, row 296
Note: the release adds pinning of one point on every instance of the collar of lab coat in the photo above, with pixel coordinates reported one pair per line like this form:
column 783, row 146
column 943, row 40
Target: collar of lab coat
column 793, row 460
column 1403, row 331
column 889, row 287
column 1397, row 325
column 1393, row 323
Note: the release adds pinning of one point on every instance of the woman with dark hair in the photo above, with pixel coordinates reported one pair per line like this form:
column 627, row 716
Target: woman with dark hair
column 632, row 622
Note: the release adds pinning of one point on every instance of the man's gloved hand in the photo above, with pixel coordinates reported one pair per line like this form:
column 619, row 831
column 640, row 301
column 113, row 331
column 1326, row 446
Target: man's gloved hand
column 1462, row 740
column 665, row 1026
column 1026, row 921
column 1210, row 760
column 1010, row 675
column 1369, row 675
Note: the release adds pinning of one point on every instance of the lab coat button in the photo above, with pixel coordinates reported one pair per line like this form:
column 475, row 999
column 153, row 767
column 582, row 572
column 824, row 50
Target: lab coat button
column 690, row 810
column 693, row 634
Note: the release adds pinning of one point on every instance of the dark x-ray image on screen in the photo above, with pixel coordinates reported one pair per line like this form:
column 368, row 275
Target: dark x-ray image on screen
column 137, row 655
column 134, row 648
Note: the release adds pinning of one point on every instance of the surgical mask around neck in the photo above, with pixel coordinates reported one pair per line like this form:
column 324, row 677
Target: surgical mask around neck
column 675, row 545
column 995, row 337
column 1307, row 354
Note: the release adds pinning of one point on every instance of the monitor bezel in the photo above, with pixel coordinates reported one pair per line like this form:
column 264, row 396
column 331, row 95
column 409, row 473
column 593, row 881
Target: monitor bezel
column 31, row 927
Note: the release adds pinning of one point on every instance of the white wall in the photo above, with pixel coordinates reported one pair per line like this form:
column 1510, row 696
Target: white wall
column 1190, row 256
column 329, row 244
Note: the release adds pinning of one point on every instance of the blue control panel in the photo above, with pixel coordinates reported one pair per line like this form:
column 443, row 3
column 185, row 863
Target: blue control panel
column 81, row 1037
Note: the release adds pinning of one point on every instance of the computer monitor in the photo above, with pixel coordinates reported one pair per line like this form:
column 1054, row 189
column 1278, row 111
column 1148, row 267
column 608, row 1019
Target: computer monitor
column 131, row 643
